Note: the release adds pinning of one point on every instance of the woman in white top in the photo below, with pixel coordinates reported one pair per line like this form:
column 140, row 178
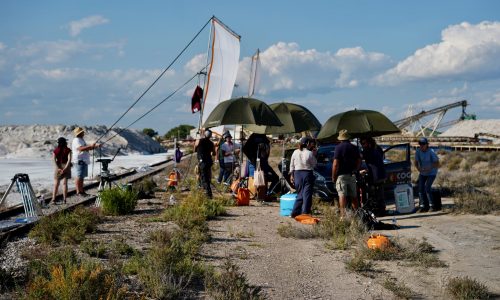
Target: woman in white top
column 302, row 165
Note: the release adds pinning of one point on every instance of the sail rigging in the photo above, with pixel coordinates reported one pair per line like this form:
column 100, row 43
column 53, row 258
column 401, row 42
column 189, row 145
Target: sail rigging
column 223, row 67
column 254, row 73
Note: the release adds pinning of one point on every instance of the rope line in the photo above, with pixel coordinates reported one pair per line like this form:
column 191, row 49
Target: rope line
column 153, row 108
column 156, row 80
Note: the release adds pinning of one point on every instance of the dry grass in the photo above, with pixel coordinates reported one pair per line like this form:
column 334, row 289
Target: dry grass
column 399, row 289
column 474, row 179
column 465, row 288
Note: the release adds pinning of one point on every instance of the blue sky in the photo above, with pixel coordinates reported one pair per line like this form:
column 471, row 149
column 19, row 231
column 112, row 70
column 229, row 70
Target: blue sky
column 85, row 62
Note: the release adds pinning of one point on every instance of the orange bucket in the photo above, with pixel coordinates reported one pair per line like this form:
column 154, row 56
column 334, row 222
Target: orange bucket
column 378, row 242
column 243, row 197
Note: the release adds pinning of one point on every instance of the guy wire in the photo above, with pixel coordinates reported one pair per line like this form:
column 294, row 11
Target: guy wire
column 156, row 80
column 154, row 107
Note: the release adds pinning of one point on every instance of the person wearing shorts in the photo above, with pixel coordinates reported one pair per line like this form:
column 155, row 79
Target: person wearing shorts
column 346, row 162
column 81, row 159
column 61, row 157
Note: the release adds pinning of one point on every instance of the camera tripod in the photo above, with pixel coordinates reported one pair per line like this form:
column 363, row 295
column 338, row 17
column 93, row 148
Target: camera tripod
column 106, row 177
column 32, row 209
column 282, row 184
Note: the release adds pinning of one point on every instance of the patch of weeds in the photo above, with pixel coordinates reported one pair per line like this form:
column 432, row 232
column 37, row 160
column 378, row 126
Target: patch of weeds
column 240, row 234
column 398, row 288
column 145, row 188
column 93, row 248
column 454, row 162
column 67, row 228
column 8, row 281
column 466, row 288
column 230, row 284
column 297, row 232
column 417, row 253
column 122, row 248
column 359, row 265
column 241, row 253
column 475, row 203
column 169, row 268
column 117, row 201
column 132, row 265
column 61, row 275
column 341, row 233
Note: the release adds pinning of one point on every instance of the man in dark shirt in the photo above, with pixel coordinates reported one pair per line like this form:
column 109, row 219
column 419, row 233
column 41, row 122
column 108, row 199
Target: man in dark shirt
column 205, row 149
column 373, row 156
column 346, row 161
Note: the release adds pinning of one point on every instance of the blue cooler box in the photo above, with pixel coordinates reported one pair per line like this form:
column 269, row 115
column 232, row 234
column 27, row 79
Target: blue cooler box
column 286, row 204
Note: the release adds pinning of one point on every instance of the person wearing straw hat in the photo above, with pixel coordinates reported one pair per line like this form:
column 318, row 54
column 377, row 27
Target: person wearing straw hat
column 346, row 162
column 81, row 159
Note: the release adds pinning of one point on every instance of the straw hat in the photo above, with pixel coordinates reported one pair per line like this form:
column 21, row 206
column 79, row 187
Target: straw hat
column 343, row 135
column 77, row 131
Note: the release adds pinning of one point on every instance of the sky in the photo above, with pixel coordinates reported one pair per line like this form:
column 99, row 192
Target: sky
column 87, row 62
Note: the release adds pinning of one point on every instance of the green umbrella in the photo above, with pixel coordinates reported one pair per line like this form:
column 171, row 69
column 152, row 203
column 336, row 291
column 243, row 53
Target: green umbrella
column 295, row 118
column 359, row 123
column 242, row 111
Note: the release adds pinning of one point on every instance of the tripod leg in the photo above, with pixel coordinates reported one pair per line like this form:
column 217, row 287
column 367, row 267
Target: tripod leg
column 7, row 192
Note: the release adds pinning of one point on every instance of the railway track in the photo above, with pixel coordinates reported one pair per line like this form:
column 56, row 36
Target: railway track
column 10, row 228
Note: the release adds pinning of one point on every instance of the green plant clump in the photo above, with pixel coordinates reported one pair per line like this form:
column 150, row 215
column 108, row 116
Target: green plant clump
column 466, row 288
column 66, row 228
column 61, row 275
column 231, row 284
column 117, row 201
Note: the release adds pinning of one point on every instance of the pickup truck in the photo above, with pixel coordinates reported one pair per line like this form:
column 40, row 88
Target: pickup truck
column 397, row 165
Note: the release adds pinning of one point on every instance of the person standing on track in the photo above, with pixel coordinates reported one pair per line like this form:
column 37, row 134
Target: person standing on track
column 61, row 156
column 81, row 159
column 205, row 150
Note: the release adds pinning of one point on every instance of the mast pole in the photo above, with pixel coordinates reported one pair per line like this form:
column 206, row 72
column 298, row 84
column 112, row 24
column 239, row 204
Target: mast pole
column 202, row 108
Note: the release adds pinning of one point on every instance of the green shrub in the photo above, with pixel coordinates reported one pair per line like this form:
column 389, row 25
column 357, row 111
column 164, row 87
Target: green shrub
column 340, row 232
column 359, row 265
column 169, row 267
column 145, row 188
column 466, row 288
column 93, row 248
column 230, row 284
column 7, row 281
column 66, row 228
column 117, row 201
column 122, row 248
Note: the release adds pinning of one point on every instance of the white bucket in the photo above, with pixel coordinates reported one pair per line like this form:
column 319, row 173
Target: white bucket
column 403, row 196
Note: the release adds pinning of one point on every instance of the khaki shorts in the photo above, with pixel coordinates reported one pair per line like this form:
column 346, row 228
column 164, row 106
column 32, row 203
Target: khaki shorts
column 66, row 174
column 346, row 186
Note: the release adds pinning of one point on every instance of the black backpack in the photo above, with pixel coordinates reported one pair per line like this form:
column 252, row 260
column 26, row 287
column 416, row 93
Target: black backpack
column 368, row 218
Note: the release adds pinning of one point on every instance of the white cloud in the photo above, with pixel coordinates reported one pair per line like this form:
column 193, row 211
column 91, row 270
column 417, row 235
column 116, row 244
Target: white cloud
column 76, row 27
column 466, row 51
column 288, row 70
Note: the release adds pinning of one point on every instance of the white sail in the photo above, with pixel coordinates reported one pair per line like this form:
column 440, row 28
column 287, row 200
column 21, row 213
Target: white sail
column 223, row 68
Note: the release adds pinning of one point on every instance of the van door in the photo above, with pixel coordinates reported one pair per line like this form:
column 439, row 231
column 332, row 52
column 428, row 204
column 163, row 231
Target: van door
column 398, row 168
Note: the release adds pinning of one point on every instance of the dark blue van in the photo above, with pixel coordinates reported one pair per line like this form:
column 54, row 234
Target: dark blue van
column 397, row 165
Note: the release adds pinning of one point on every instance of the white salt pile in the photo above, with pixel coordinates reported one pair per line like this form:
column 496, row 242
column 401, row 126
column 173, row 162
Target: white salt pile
column 30, row 141
column 469, row 128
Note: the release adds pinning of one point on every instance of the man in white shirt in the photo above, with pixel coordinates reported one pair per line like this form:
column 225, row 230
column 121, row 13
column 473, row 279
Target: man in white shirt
column 81, row 159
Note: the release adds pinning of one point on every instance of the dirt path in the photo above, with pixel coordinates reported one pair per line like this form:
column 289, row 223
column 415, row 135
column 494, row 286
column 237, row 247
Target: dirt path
column 286, row 268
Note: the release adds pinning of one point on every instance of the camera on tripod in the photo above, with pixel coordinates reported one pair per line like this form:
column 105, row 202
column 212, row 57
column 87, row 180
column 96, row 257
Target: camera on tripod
column 105, row 163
